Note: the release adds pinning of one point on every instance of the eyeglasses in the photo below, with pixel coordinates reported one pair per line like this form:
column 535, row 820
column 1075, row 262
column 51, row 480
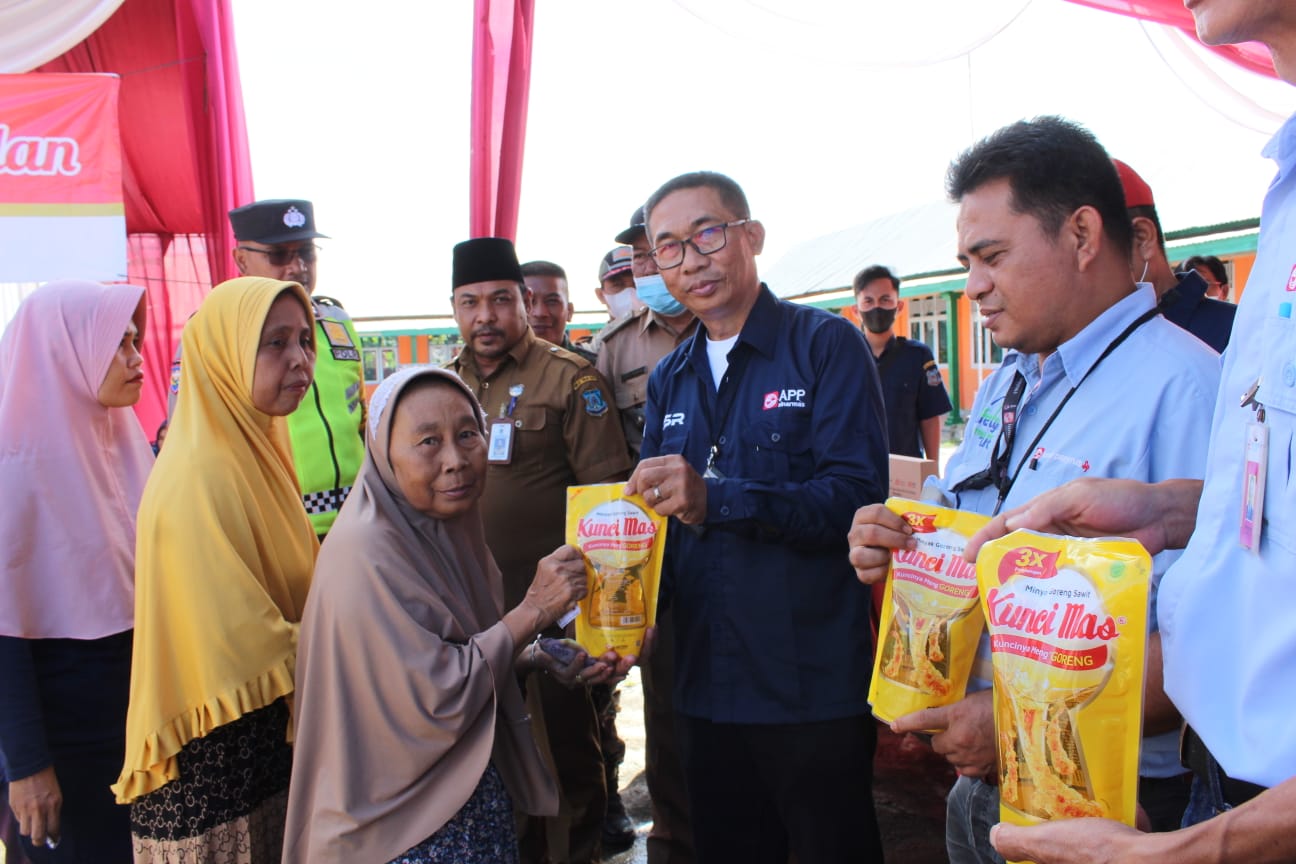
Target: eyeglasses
column 281, row 257
column 708, row 241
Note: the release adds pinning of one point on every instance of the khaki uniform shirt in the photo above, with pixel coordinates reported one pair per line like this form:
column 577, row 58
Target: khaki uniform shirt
column 630, row 348
column 566, row 432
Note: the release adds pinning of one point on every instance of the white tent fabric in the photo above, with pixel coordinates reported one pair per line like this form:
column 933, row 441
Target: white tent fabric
column 33, row 32
column 861, row 34
column 913, row 241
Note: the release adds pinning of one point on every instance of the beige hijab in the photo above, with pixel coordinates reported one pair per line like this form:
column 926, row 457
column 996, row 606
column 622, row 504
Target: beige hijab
column 405, row 682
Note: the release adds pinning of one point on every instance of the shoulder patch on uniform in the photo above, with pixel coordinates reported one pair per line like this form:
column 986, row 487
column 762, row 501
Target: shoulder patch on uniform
column 562, row 353
column 595, row 404
column 339, row 340
column 933, row 376
column 585, row 379
column 175, row 377
column 929, row 364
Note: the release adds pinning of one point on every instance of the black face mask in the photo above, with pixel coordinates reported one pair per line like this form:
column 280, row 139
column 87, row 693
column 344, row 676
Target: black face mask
column 878, row 320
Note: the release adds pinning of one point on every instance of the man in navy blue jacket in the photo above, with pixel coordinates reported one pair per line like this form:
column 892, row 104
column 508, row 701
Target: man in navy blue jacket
column 764, row 430
column 1181, row 296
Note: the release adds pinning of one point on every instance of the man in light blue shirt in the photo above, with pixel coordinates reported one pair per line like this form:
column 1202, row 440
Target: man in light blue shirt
column 1226, row 610
column 1095, row 384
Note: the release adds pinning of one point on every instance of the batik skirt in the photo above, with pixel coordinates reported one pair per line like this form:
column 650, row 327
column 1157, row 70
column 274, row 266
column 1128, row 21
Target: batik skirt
column 230, row 802
column 481, row 832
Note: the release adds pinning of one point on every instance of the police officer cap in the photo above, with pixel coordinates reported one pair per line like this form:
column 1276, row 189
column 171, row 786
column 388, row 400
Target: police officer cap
column 485, row 259
column 281, row 220
column 636, row 228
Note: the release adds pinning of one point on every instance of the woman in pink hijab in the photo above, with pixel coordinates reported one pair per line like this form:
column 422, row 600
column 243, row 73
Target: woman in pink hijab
column 73, row 461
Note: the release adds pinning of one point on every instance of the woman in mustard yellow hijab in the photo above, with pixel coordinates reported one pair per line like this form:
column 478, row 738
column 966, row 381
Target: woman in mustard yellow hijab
column 223, row 560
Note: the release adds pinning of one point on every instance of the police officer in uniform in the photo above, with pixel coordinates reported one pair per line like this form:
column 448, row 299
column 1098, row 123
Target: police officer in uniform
column 276, row 239
column 551, row 425
column 912, row 388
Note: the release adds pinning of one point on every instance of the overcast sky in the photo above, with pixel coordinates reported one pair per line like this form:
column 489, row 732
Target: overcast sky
column 828, row 112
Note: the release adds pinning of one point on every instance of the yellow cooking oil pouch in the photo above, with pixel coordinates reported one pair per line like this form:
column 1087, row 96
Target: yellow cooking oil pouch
column 623, row 542
column 1068, row 635
column 930, row 622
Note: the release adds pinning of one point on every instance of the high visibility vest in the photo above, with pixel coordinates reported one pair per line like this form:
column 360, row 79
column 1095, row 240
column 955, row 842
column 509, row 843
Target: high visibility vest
column 327, row 429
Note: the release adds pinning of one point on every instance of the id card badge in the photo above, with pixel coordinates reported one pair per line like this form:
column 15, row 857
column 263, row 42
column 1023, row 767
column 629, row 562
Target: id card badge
column 500, row 447
column 1254, row 467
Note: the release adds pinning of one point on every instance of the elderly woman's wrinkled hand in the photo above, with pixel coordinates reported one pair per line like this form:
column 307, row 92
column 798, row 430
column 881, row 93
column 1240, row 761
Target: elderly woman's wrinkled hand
column 559, row 582
column 608, row 668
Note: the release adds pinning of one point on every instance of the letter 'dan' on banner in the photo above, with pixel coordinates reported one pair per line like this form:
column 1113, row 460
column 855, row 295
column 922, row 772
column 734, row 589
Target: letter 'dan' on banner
column 61, row 211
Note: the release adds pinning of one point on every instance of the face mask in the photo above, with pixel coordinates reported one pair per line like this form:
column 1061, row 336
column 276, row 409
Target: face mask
column 653, row 293
column 621, row 303
column 878, row 320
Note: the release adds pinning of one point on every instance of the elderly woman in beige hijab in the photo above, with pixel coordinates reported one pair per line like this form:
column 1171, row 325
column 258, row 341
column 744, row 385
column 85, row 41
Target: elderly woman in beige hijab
column 413, row 743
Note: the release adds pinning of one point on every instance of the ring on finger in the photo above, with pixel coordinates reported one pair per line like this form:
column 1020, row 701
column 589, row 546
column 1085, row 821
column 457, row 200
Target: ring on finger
column 657, row 496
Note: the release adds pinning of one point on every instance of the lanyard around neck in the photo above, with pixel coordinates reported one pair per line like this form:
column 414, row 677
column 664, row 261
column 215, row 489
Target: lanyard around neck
column 1007, row 428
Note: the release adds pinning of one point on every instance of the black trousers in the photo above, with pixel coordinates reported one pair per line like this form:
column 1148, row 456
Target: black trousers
column 758, row 792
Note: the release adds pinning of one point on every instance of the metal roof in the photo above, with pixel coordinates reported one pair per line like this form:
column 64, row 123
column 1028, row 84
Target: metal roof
column 914, row 241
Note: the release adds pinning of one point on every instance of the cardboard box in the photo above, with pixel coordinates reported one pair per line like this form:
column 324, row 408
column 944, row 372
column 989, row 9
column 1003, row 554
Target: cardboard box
column 908, row 474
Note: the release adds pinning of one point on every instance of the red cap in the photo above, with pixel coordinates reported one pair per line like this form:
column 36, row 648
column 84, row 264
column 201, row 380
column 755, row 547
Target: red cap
column 1137, row 192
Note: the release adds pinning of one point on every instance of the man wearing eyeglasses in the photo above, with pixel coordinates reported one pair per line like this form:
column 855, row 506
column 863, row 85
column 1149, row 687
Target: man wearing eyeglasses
column 1094, row 383
column 764, row 430
column 276, row 240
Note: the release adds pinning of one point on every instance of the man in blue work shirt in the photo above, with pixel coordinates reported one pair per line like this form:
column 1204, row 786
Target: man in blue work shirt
column 764, row 430
column 913, row 390
column 1095, row 384
column 1227, row 605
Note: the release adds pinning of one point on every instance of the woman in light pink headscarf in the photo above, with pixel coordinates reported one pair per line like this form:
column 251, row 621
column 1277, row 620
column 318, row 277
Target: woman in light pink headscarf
column 73, row 461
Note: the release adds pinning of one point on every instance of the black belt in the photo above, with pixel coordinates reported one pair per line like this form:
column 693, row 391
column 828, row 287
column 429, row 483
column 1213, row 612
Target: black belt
column 1196, row 758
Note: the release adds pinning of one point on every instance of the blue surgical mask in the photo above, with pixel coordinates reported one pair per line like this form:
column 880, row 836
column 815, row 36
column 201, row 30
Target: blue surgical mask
column 653, row 294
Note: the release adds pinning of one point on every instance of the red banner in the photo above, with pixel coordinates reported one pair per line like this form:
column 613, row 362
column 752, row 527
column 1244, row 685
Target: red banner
column 59, row 141
column 60, row 179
